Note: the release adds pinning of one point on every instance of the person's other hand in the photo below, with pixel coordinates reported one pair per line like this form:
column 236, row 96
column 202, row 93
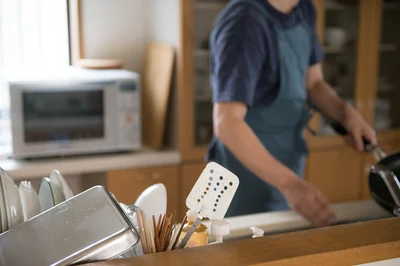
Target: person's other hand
column 358, row 129
column 307, row 201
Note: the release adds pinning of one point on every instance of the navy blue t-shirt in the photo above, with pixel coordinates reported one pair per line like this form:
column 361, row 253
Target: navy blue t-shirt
column 244, row 59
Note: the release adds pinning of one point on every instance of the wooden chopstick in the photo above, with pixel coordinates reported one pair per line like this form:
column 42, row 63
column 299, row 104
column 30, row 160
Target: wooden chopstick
column 153, row 246
column 146, row 233
column 159, row 223
column 141, row 232
column 156, row 241
column 161, row 235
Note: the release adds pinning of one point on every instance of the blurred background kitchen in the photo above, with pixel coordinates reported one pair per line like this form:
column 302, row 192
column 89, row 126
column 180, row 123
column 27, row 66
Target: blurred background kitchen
column 166, row 43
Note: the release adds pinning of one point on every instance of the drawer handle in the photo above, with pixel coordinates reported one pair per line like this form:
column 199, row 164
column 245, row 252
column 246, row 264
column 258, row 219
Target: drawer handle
column 155, row 175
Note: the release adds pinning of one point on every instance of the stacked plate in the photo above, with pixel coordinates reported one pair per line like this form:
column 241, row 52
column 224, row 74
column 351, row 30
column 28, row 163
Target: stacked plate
column 19, row 204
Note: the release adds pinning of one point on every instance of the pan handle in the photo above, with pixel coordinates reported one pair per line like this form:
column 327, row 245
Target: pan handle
column 342, row 131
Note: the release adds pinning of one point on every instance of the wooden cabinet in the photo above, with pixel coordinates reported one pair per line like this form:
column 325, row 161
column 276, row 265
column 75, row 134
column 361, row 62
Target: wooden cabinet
column 361, row 49
column 336, row 173
column 128, row 184
column 188, row 175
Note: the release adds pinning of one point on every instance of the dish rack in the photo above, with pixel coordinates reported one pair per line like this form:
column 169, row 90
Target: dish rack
column 114, row 230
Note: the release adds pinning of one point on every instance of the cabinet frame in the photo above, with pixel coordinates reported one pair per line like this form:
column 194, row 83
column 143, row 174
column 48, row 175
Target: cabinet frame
column 187, row 147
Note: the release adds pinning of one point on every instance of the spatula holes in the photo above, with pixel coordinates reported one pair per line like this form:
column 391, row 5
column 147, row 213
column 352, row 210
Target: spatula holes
column 209, row 184
column 217, row 183
column 198, row 200
column 215, row 189
column 211, row 178
column 217, row 200
column 230, row 183
column 214, row 210
column 221, row 177
column 202, row 196
column 219, row 196
column 212, row 171
column 225, row 187
column 207, row 188
column 205, row 192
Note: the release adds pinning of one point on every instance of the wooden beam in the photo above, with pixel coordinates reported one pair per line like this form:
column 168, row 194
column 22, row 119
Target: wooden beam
column 75, row 31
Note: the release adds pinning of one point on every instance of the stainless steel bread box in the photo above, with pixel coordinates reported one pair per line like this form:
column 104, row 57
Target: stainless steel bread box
column 88, row 227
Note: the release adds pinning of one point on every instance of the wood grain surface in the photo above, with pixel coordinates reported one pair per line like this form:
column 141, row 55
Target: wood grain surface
column 338, row 245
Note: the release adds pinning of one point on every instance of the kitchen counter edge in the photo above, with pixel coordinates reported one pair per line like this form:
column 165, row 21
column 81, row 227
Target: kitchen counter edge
column 31, row 169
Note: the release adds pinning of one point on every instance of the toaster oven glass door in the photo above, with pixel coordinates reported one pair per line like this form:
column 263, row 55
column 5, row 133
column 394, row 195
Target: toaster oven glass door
column 63, row 115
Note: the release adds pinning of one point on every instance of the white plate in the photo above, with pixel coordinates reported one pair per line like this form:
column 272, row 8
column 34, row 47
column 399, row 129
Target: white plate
column 3, row 213
column 58, row 179
column 58, row 195
column 45, row 194
column 34, row 200
column 29, row 200
column 12, row 200
column 25, row 201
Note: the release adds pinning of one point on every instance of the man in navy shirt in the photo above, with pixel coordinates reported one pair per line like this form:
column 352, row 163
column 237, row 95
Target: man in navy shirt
column 266, row 74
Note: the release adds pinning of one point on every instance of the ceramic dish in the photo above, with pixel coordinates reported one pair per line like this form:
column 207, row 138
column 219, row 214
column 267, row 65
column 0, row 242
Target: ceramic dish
column 58, row 195
column 12, row 201
column 34, row 200
column 25, row 202
column 45, row 195
column 29, row 200
column 58, row 179
column 3, row 213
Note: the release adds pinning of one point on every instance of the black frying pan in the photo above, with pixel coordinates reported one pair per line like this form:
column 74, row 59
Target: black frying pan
column 378, row 187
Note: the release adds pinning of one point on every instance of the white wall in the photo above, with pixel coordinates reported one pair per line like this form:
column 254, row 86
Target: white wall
column 114, row 29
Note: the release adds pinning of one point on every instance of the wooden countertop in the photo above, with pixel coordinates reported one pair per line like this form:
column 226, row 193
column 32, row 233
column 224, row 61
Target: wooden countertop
column 337, row 245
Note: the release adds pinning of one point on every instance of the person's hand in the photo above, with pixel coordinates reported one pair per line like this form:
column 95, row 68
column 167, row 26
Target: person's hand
column 358, row 129
column 307, row 201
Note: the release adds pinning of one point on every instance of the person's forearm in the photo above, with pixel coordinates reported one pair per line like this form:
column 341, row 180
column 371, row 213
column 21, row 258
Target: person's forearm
column 239, row 138
column 328, row 102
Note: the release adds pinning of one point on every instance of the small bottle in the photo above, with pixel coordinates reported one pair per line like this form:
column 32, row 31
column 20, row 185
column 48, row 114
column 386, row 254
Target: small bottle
column 199, row 236
column 219, row 228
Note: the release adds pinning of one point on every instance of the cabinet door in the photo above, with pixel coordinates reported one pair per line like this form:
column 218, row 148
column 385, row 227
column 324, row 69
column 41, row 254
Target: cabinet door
column 127, row 185
column 189, row 173
column 369, row 160
column 336, row 173
column 387, row 101
column 198, row 17
column 342, row 31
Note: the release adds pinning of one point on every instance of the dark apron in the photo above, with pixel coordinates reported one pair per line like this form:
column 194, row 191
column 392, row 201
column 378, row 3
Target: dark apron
column 279, row 126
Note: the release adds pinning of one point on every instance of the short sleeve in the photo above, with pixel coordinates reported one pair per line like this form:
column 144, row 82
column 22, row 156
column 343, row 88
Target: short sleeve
column 317, row 53
column 237, row 58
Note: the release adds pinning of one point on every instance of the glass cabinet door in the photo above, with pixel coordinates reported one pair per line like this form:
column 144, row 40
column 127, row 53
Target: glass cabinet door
column 387, row 108
column 341, row 36
column 205, row 13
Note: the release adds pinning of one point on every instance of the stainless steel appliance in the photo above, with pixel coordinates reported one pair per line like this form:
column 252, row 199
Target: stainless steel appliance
column 75, row 111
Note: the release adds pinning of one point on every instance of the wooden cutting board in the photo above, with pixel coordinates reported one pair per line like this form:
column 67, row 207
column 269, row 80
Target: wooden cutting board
column 156, row 85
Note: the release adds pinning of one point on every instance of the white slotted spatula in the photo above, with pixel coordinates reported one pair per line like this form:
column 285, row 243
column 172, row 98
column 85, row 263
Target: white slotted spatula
column 211, row 195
